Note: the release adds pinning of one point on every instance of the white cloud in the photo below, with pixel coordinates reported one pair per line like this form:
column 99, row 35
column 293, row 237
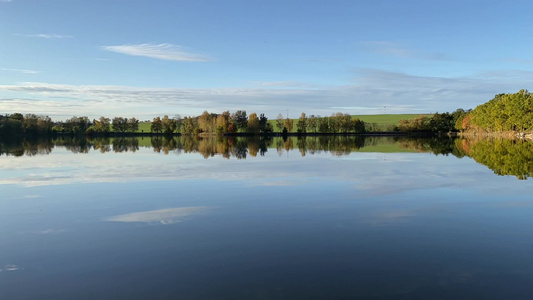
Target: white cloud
column 370, row 91
column 20, row 71
column 159, row 51
column 6, row 1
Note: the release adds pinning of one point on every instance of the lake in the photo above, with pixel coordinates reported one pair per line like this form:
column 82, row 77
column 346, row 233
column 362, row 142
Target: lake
column 238, row 218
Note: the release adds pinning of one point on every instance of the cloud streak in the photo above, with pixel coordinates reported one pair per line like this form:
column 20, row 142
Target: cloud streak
column 159, row 51
column 48, row 36
column 391, row 49
column 20, row 71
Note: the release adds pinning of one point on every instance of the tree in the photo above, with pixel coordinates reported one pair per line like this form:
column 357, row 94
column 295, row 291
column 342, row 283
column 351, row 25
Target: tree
column 190, row 126
column 358, row 125
column 240, row 120
column 157, row 125
column 168, row 125
column 253, row 124
column 312, row 123
column 301, row 125
column 102, row 126
column 119, row 124
column 132, row 124
column 207, row 122
column 222, row 122
column 77, row 125
column 279, row 122
column 289, row 124
column 264, row 126
column 323, row 125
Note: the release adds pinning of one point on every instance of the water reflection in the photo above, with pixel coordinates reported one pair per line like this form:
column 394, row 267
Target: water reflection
column 504, row 157
column 163, row 216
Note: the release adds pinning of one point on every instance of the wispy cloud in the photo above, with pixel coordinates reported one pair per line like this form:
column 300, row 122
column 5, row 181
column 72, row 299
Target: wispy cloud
column 386, row 48
column 370, row 91
column 284, row 84
column 6, row 1
column 399, row 50
column 20, row 71
column 159, row 51
column 47, row 36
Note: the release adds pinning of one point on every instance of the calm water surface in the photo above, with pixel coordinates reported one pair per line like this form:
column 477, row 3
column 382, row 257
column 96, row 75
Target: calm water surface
column 371, row 219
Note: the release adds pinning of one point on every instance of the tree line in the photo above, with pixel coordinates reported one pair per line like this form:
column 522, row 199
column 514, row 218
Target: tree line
column 238, row 122
column 505, row 112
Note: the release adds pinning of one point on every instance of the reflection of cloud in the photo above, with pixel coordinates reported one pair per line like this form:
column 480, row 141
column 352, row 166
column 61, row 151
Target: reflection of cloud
column 11, row 268
column 51, row 231
column 163, row 216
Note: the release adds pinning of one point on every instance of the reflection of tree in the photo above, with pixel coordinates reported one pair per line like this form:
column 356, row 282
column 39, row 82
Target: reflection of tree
column 74, row 144
column 28, row 147
column 125, row 145
column 504, row 157
column 435, row 145
column 240, row 149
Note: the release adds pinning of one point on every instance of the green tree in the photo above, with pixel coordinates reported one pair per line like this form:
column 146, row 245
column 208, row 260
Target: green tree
column 240, row 120
column 301, row 125
column 279, row 122
column 264, row 126
column 132, row 124
column 358, row 126
column 312, row 123
column 119, row 124
column 157, row 125
column 168, row 125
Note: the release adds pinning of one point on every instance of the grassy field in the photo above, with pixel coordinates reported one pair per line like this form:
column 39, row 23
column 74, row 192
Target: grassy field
column 385, row 119
column 144, row 126
column 381, row 120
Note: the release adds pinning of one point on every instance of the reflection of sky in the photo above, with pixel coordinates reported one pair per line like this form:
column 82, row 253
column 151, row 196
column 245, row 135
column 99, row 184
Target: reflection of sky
column 84, row 224
column 377, row 173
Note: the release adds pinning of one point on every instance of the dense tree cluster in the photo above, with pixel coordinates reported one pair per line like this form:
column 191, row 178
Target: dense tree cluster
column 505, row 112
column 17, row 125
column 438, row 122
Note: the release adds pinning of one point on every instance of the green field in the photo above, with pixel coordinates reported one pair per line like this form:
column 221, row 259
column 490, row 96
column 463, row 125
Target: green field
column 385, row 119
column 144, row 126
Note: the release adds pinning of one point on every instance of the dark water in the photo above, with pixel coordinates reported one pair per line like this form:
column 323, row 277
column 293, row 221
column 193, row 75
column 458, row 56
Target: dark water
column 321, row 218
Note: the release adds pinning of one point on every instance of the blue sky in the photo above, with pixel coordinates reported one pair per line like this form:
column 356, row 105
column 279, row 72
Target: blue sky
column 149, row 58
